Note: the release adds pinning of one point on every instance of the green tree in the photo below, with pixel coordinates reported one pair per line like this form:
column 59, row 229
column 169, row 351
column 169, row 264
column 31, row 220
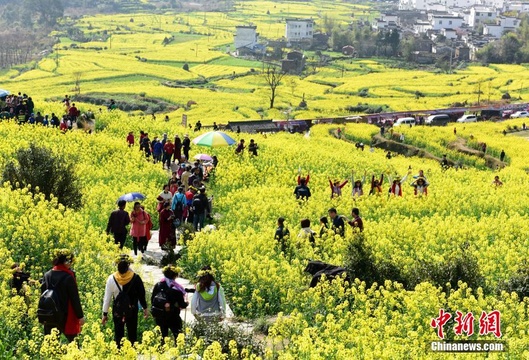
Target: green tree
column 49, row 173
column 43, row 12
column 509, row 48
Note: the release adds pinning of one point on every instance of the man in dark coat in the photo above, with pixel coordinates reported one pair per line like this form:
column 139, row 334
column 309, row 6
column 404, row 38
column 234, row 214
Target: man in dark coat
column 117, row 224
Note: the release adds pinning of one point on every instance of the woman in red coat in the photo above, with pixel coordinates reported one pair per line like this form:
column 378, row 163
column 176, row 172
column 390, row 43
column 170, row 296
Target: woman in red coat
column 139, row 220
column 166, row 234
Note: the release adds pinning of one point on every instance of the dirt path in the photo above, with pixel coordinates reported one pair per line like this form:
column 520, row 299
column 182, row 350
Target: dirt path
column 460, row 145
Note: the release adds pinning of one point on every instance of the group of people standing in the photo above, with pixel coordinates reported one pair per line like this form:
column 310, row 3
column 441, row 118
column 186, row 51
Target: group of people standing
column 163, row 149
column 419, row 184
column 125, row 296
column 334, row 224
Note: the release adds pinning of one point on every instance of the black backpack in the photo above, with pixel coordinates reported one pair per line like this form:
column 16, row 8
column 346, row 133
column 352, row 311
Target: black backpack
column 179, row 207
column 159, row 301
column 123, row 306
column 49, row 311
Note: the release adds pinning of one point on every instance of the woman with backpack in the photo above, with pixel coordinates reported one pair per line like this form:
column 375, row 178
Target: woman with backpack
column 208, row 303
column 168, row 297
column 126, row 289
column 179, row 205
column 60, row 292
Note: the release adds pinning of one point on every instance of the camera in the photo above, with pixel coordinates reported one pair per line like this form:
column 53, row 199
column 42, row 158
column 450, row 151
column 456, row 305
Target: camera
column 189, row 290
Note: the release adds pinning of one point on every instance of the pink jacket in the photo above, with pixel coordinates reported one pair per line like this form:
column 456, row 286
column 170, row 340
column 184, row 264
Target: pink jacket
column 137, row 229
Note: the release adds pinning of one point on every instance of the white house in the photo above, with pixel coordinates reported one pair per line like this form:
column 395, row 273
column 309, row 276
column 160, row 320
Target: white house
column 299, row 29
column 480, row 14
column 246, row 36
column 421, row 26
column 439, row 22
column 498, row 4
column 502, row 25
column 436, row 7
column 413, row 4
column 449, row 34
column 386, row 21
column 461, row 3
column 520, row 6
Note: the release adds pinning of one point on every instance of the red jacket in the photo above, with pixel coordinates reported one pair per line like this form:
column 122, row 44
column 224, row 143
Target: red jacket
column 168, row 148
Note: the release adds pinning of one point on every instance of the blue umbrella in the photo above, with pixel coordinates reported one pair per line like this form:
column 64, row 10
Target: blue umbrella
column 133, row 196
column 4, row 93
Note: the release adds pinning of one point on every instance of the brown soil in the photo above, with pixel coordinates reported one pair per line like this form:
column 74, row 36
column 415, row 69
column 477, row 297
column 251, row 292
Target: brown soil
column 460, row 146
column 404, row 149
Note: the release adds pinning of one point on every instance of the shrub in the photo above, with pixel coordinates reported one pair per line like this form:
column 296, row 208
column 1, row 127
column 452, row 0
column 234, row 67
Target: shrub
column 49, row 174
column 518, row 283
column 363, row 92
column 224, row 334
column 360, row 263
column 461, row 266
column 186, row 67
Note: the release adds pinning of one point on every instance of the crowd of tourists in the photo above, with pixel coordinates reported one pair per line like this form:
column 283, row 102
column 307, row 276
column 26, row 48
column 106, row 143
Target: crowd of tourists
column 124, row 297
column 20, row 107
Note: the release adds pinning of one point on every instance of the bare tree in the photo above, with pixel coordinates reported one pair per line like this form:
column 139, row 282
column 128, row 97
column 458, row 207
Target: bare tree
column 77, row 75
column 273, row 75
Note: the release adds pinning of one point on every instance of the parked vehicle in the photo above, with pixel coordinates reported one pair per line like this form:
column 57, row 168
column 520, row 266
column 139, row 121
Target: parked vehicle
column 438, row 119
column 405, row 121
column 467, row 118
column 520, row 114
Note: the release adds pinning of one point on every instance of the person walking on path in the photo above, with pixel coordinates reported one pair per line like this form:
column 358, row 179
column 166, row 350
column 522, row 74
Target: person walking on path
column 117, row 224
column 166, row 233
column 179, row 204
column 168, row 151
column 177, row 149
column 200, row 208
column 168, row 298
column 164, row 196
column 208, row 303
column 502, row 155
column 125, row 288
column 139, row 219
column 62, row 280
column 186, row 146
